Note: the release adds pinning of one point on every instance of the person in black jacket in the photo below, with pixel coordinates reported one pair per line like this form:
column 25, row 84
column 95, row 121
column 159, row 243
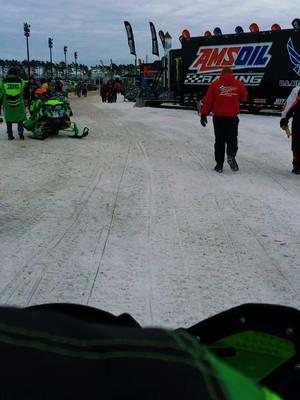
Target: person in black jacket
column 58, row 86
column 29, row 92
column 292, row 110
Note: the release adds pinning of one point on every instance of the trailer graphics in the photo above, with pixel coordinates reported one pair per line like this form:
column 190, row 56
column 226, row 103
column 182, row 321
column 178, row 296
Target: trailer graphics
column 212, row 59
column 247, row 79
column 267, row 62
column 294, row 56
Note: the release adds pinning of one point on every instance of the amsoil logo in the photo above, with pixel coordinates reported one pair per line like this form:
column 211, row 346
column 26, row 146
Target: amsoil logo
column 215, row 58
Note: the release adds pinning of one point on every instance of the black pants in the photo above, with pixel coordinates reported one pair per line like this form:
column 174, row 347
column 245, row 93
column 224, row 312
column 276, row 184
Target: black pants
column 226, row 133
column 296, row 160
column 296, row 141
column 10, row 128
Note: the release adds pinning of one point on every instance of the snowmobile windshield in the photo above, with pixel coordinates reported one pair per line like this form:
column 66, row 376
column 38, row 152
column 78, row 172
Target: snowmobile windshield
column 53, row 109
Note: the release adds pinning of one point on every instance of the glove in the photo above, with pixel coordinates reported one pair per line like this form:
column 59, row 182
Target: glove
column 284, row 122
column 203, row 120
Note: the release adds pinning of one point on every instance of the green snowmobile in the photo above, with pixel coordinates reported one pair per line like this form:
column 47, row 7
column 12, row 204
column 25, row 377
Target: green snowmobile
column 250, row 352
column 49, row 116
column 261, row 341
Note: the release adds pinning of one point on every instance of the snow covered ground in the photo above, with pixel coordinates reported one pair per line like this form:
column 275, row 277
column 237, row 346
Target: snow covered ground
column 134, row 219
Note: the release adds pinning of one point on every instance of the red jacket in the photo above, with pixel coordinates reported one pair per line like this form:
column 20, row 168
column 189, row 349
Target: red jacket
column 224, row 96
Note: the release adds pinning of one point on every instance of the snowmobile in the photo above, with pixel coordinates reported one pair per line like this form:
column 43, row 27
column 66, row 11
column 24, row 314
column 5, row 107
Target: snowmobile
column 249, row 352
column 262, row 341
column 50, row 116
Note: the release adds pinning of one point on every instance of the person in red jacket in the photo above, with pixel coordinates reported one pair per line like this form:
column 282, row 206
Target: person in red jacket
column 223, row 100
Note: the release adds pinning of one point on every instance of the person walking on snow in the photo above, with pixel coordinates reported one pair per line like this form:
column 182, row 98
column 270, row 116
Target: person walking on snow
column 292, row 110
column 103, row 92
column 223, row 100
column 84, row 89
column 11, row 91
column 29, row 92
column 58, row 86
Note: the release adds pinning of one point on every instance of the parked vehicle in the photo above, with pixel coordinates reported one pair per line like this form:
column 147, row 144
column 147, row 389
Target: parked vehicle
column 267, row 62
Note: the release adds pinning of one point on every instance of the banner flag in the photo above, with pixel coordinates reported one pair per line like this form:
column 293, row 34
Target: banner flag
column 162, row 38
column 130, row 37
column 155, row 49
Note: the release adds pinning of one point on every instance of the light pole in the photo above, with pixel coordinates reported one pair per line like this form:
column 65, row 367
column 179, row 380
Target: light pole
column 99, row 71
column 66, row 68
column 135, row 69
column 76, row 56
column 27, row 34
column 50, row 44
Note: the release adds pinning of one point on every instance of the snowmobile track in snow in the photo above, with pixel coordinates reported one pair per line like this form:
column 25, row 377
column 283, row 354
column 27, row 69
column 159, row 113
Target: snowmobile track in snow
column 17, row 283
column 149, row 281
column 110, row 225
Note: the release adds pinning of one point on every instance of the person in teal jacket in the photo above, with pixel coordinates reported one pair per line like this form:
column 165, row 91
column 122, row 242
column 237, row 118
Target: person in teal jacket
column 11, row 94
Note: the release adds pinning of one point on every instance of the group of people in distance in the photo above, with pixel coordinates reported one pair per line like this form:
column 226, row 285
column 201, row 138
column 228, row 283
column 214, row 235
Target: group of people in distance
column 80, row 88
column 109, row 90
column 223, row 100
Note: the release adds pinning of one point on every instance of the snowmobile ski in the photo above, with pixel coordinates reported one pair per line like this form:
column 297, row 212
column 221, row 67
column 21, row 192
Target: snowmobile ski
column 85, row 132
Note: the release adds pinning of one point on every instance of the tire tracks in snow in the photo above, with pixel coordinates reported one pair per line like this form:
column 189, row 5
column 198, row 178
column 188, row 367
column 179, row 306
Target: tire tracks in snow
column 228, row 235
column 246, row 227
column 153, row 272
column 180, row 263
column 149, row 272
column 99, row 248
column 195, row 155
column 16, row 285
column 270, row 175
column 243, row 256
column 110, row 225
column 262, row 246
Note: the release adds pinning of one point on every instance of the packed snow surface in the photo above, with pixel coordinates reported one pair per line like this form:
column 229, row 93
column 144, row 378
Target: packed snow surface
column 134, row 219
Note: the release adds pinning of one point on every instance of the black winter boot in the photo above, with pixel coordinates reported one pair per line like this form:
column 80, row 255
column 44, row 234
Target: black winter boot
column 218, row 168
column 233, row 164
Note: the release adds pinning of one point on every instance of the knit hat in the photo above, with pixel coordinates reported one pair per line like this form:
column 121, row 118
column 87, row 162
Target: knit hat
column 40, row 91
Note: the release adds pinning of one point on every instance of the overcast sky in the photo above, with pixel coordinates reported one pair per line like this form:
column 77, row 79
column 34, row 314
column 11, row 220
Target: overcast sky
column 96, row 30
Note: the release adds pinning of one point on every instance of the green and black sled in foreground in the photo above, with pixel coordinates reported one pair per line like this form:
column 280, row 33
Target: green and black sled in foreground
column 262, row 341
column 49, row 117
column 68, row 351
